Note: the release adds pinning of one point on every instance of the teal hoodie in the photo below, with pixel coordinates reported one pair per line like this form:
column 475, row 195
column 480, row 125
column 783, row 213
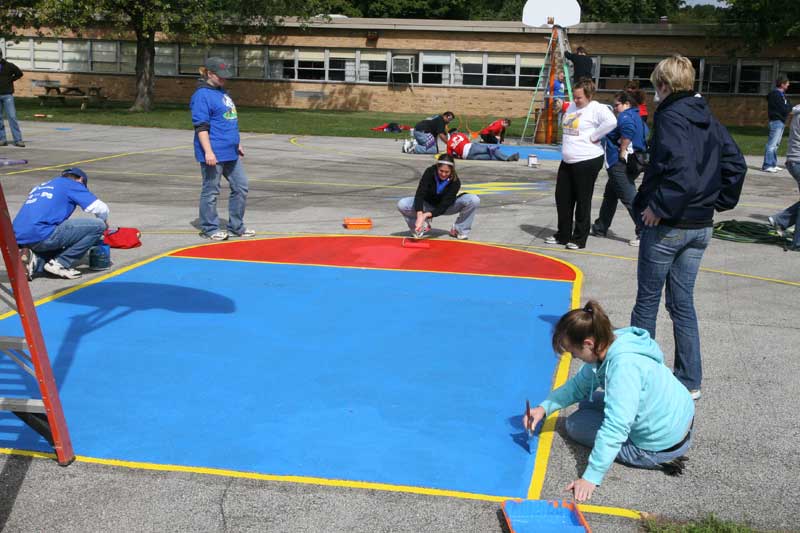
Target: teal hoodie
column 644, row 400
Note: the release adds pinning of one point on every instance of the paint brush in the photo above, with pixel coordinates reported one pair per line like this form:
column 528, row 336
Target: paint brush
column 528, row 427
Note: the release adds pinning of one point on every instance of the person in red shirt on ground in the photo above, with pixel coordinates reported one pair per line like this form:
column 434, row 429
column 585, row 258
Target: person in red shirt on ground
column 459, row 145
column 495, row 132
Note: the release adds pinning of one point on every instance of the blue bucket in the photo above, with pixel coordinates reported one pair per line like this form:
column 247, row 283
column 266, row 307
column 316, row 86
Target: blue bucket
column 100, row 257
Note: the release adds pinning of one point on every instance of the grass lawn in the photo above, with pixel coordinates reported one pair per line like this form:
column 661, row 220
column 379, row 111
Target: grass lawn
column 300, row 121
column 709, row 524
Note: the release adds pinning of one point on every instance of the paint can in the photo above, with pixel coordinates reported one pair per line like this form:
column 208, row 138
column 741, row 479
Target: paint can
column 100, row 257
column 533, row 160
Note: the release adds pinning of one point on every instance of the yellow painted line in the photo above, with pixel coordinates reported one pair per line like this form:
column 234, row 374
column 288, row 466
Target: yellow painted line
column 611, row 511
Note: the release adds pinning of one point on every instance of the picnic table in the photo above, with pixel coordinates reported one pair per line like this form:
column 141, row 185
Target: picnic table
column 54, row 90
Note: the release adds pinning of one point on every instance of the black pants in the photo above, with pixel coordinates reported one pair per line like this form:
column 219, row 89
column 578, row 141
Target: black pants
column 489, row 139
column 574, row 187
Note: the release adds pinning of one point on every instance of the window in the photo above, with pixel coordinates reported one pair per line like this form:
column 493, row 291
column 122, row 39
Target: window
column 19, row 53
column 436, row 68
column 166, row 60
column 529, row 69
column 642, row 69
column 469, row 69
column 342, row 65
column 501, row 71
column 615, row 71
column 45, row 55
column 311, row 64
column 792, row 71
column 373, row 67
column 127, row 57
column 191, row 58
column 251, row 62
column 717, row 78
column 755, row 78
column 104, row 56
column 281, row 63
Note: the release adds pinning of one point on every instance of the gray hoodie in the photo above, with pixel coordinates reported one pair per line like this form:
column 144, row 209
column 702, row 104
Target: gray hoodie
column 793, row 154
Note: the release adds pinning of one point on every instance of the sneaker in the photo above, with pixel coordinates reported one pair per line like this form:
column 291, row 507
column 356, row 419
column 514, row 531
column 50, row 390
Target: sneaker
column 775, row 226
column 460, row 236
column 406, row 146
column 57, row 269
column 20, row 144
column 246, row 233
column 423, row 233
column 676, row 466
column 29, row 260
column 514, row 157
column 695, row 394
column 551, row 240
column 572, row 246
column 596, row 232
column 777, row 168
column 216, row 236
column 634, row 242
column 771, row 170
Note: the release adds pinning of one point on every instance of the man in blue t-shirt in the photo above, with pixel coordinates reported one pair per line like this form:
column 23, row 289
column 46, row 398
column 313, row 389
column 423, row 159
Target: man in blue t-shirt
column 218, row 149
column 48, row 240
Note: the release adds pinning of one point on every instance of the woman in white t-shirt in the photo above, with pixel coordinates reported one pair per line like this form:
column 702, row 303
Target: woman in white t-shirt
column 585, row 123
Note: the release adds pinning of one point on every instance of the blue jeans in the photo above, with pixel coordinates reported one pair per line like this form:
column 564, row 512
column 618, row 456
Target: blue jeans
column 465, row 205
column 481, row 152
column 583, row 424
column 788, row 217
column 69, row 242
column 233, row 171
column 7, row 108
column 620, row 186
column 773, row 141
column 426, row 143
column 671, row 256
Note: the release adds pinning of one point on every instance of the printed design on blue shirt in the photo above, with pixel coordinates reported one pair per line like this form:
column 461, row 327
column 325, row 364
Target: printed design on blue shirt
column 40, row 191
column 231, row 114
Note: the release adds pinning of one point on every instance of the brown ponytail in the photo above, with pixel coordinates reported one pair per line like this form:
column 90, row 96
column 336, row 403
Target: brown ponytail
column 580, row 324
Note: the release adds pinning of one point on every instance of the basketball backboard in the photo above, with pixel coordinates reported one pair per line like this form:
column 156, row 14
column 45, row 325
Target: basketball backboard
column 564, row 13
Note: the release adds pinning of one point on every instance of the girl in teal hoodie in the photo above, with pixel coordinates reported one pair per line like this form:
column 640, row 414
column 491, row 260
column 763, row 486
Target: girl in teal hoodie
column 644, row 416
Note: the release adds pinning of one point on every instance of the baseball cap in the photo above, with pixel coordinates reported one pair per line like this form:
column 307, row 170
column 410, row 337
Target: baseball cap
column 75, row 171
column 220, row 67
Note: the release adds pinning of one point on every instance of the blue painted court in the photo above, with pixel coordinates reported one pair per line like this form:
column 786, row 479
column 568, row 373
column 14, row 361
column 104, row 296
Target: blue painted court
column 384, row 375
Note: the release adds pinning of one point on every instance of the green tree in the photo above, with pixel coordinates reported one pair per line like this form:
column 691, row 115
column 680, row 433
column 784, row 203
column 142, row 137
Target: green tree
column 199, row 20
column 637, row 11
column 763, row 23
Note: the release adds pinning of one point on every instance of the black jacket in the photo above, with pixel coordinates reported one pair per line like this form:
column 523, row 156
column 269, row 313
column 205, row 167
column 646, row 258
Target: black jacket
column 426, row 192
column 778, row 106
column 9, row 73
column 434, row 125
column 583, row 65
column 695, row 166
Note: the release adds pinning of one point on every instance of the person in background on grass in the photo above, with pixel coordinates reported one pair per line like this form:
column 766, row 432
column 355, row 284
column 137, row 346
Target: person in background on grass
column 695, row 168
column 47, row 238
column 778, row 107
column 459, row 145
column 218, row 149
column 9, row 73
column 632, row 88
column 628, row 138
column 789, row 216
column 585, row 124
column 437, row 194
column 427, row 133
column 495, row 133
column 642, row 418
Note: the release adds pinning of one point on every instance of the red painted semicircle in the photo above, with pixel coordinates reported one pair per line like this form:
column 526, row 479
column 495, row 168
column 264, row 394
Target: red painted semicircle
column 388, row 253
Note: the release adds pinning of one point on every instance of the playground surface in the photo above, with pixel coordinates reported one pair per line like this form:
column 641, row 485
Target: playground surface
column 145, row 355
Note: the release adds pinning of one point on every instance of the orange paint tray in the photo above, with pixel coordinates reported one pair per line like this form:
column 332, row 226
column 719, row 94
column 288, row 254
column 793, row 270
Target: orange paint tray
column 358, row 223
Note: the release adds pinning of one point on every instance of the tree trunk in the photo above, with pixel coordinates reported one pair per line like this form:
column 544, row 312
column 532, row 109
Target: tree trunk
column 145, row 70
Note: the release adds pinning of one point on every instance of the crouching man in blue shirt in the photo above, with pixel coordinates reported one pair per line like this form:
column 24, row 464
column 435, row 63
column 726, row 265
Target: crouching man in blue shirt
column 48, row 240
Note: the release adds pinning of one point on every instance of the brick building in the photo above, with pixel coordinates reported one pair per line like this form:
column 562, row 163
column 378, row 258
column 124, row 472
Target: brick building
column 425, row 66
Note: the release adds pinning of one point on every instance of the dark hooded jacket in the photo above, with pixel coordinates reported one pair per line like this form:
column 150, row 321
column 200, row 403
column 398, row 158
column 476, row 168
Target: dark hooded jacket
column 695, row 166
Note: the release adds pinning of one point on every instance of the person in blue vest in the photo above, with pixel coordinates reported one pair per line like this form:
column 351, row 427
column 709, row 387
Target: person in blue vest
column 48, row 239
column 218, row 149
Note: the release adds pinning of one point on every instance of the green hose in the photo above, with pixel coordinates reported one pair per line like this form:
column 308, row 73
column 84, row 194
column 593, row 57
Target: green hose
column 757, row 232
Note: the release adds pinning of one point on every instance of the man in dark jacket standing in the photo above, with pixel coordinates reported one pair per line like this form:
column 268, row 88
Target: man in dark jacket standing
column 778, row 107
column 582, row 64
column 695, row 168
column 9, row 73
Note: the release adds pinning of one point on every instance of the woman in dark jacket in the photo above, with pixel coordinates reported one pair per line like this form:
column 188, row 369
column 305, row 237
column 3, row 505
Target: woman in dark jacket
column 695, row 168
column 437, row 194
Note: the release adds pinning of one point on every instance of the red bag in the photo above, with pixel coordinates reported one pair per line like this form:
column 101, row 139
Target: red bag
column 122, row 237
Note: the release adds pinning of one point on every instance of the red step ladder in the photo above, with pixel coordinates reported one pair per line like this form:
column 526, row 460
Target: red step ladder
column 44, row 415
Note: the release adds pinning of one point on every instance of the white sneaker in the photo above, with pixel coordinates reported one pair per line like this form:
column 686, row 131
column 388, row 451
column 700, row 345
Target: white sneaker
column 460, row 236
column 775, row 226
column 422, row 234
column 219, row 235
column 771, row 170
column 29, row 260
column 634, row 242
column 246, row 233
column 551, row 240
column 406, row 146
column 572, row 246
column 695, row 394
column 57, row 269
column 777, row 168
